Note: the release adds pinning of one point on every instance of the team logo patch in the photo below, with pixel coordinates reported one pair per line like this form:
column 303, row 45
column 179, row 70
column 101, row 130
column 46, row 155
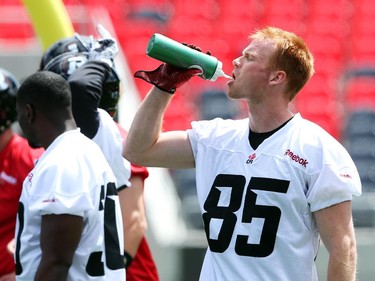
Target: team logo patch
column 251, row 158
column 296, row 158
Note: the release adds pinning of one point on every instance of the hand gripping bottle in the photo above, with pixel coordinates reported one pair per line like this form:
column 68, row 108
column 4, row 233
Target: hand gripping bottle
column 174, row 53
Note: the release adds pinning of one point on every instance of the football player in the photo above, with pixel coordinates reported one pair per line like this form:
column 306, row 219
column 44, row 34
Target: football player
column 95, row 89
column 69, row 224
column 269, row 186
column 17, row 159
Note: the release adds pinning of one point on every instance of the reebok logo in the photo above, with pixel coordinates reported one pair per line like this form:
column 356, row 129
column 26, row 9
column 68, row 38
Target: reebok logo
column 346, row 176
column 296, row 158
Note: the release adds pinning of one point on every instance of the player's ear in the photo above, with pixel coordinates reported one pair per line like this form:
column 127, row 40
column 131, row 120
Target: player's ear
column 30, row 113
column 277, row 77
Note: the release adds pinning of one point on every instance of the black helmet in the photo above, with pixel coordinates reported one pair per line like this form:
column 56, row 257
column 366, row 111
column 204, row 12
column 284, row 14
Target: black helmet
column 66, row 63
column 8, row 92
column 65, row 45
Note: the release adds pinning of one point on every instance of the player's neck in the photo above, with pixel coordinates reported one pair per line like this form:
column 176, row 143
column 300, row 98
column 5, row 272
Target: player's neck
column 262, row 122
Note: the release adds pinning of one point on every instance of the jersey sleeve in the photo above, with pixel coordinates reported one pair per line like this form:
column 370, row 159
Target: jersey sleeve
column 200, row 130
column 60, row 192
column 139, row 171
column 336, row 181
column 213, row 132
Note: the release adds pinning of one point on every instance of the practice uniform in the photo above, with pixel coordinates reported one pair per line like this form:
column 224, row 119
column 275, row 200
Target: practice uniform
column 16, row 161
column 72, row 177
column 95, row 123
column 110, row 141
column 257, row 205
column 143, row 267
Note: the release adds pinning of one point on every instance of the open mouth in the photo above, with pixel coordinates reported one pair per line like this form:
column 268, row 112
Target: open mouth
column 230, row 82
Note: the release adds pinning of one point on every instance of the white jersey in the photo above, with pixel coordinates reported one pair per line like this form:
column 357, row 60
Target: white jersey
column 72, row 177
column 110, row 141
column 257, row 205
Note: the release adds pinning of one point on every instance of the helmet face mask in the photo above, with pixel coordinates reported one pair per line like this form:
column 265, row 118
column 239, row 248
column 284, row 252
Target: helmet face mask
column 111, row 94
column 8, row 95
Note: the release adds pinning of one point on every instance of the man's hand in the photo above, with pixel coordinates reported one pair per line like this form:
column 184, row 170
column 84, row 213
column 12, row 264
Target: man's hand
column 106, row 43
column 167, row 77
column 103, row 49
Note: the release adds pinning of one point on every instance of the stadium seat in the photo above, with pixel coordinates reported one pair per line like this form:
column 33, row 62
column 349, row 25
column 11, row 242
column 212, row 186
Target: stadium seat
column 359, row 139
column 185, row 184
column 363, row 48
column 208, row 9
column 10, row 2
column 338, row 9
column 360, row 93
column 191, row 212
column 362, row 147
column 360, row 122
column 366, row 170
column 184, row 180
column 363, row 8
column 12, row 31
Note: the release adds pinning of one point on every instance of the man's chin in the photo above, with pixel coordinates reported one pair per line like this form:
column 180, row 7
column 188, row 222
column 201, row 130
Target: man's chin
column 35, row 145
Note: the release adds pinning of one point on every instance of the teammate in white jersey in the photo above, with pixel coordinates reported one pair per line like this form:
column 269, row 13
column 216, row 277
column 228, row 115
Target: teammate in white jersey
column 69, row 224
column 88, row 65
column 269, row 186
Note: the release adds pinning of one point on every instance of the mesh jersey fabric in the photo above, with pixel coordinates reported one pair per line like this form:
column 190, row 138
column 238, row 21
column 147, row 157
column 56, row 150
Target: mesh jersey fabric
column 72, row 177
column 257, row 205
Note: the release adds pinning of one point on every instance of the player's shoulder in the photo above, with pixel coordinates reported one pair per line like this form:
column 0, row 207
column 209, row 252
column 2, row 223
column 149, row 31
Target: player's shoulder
column 105, row 117
column 73, row 143
column 310, row 132
column 311, row 140
column 74, row 150
column 107, row 127
column 220, row 127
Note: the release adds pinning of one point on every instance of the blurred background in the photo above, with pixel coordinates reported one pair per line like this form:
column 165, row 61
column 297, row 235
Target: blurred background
column 340, row 97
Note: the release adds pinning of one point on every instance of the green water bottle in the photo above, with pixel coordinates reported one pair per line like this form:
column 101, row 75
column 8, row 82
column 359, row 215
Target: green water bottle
column 174, row 53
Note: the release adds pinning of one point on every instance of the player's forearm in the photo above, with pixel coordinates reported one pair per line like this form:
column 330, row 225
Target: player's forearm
column 55, row 272
column 343, row 266
column 133, row 214
column 133, row 235
column 146, row 127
